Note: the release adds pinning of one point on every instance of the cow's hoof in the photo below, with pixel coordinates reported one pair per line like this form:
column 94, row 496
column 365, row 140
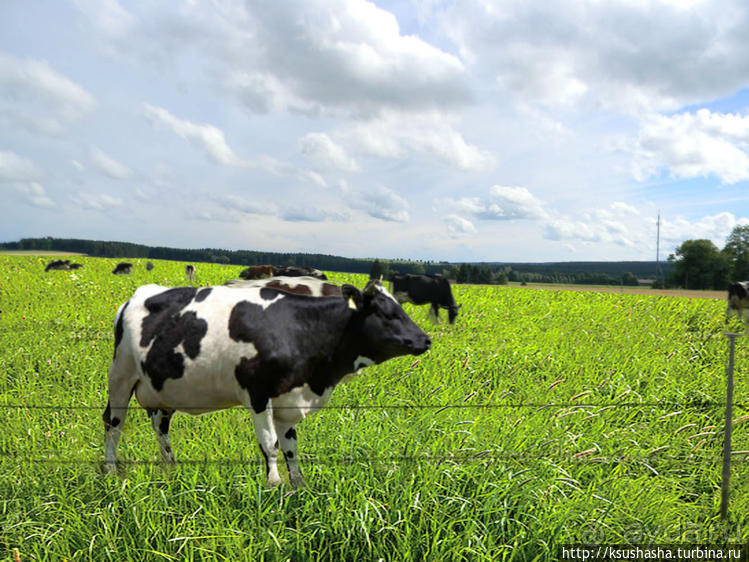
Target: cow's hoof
column 273, row 483
column 298, row 483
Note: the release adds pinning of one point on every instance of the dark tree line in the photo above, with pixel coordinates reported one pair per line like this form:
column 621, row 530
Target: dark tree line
column 595, row 273
column 106, row 249
column 699, row 264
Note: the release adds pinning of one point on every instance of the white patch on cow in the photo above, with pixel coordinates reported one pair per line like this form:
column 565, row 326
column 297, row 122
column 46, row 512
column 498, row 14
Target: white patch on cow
column 298, row 403
column 362, row 361
column 385, row 292
column 351, row 303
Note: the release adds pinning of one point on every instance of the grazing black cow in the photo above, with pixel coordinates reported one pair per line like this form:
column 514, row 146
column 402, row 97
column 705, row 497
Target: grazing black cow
column 257, row 272
column 298, row 271
column 123, row 269
column 190, row 272
column 738, row 300
column 423, row 289
column 58, row 265
column 276, row 353
column 149, row 266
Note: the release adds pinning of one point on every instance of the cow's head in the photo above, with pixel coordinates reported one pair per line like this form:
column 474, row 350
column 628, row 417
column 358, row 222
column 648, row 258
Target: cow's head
column 384, row 329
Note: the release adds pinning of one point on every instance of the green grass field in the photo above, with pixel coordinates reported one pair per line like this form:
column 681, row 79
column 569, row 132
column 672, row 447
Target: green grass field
column 540, row 418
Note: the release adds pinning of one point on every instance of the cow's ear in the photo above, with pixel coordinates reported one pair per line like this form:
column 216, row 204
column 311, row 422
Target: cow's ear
column 353, row 296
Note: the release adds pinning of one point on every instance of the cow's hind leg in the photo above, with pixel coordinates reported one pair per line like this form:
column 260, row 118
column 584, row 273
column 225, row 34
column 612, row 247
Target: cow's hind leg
column 265, row 432
column 160, row 422
column 287, row 437
column 122, row 383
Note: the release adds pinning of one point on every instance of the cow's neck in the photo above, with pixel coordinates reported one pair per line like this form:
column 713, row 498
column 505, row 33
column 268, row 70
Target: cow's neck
column 348, row 354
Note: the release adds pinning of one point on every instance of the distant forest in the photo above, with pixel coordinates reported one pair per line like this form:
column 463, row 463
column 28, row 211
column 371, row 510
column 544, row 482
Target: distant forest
column 592, row 273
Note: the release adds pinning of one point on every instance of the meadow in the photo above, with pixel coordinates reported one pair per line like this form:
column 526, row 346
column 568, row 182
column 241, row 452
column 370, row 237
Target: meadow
column 541, row 418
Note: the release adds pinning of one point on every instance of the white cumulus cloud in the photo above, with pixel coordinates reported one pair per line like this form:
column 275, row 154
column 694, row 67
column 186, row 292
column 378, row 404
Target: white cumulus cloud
column 96, row 201
column 458, row 226
column 324, row 150
column 108, row 165
column 36, row 97
column 382, row 203
column 208, row 138
column 503, row 203
column 691, row 145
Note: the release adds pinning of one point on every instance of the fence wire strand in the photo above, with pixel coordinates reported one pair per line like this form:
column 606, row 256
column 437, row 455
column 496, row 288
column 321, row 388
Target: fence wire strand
column 461, row 406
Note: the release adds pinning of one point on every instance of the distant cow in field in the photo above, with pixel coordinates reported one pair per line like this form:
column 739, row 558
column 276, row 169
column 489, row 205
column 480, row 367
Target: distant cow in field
column 149, row 266
column 298, row 271
column 257, row 272
column 308, row 286
column 738, row 300
column 278, row 354
column 423, row 289
column 190, row 272
column 123, row 268
column 58, row 265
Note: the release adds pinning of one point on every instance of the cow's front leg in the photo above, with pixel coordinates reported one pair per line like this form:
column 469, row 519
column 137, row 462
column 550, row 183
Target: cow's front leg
column 265, row 432
column 434, row 313
column 287, row 437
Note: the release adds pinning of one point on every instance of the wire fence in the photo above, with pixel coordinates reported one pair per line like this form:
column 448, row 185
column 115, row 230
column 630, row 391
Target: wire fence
column 665, row 405
column 683, row 462
column 653, row 460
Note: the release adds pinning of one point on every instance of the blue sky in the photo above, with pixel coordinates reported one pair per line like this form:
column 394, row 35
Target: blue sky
column 477, row 130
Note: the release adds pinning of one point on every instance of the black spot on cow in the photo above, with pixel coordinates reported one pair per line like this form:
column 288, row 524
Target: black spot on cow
column 118, row 329
column 278, row 334
column 115, row 422
column 107, row 416
column 288, row 454
column 298, row 289
column 203, row 294
column 268, row 294
column 255, row 376
column 291, row 434
column 167, row 328
column 161, row 307
column 164, row 424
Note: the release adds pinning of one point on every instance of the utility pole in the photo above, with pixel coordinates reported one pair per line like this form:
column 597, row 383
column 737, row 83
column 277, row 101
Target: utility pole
column 658, row 249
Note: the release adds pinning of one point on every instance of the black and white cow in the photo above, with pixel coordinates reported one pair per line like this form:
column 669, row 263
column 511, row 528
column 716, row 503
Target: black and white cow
column 276, row 353
column 423, row 289
column 738, row 300
column 190, row 272
column 298, row 271
column 305, row 285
